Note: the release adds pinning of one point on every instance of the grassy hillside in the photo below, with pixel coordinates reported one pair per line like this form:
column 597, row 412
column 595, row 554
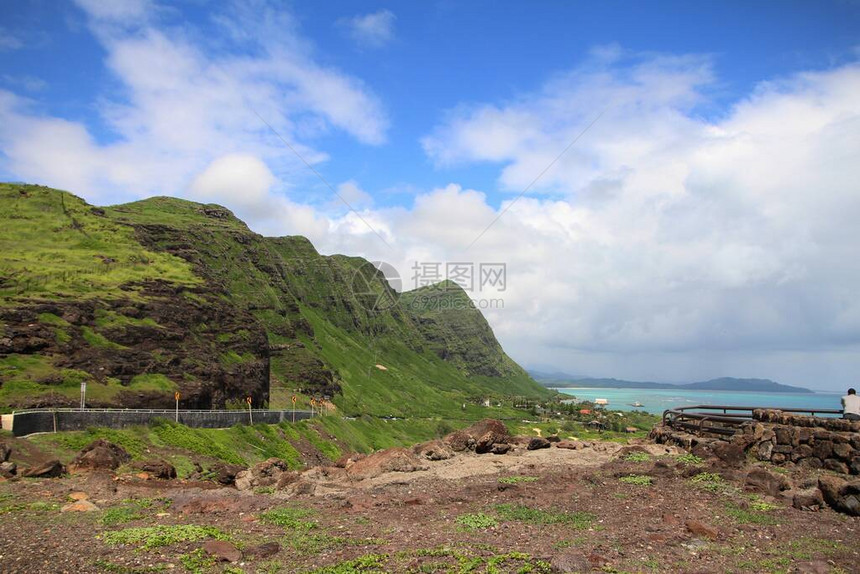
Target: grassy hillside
column 163, row 295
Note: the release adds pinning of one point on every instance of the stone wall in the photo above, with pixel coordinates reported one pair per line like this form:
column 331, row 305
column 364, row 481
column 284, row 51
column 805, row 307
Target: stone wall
column 780, row 438
column 30, row 422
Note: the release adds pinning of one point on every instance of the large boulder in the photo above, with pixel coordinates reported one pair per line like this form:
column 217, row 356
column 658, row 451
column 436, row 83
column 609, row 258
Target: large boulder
column 762, row 480
column 50, row 469
column 266, row 473
column 5, row 452
column 433, row 450
column 100, row 455
column 225, row 473
column 388, row 460
column 840, row 494
column 538, row 443
column 481, row 435
column 158, row 469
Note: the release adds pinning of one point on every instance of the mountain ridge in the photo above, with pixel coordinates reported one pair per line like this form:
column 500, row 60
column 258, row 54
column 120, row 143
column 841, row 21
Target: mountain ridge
column 165, row 295
column 558, row 380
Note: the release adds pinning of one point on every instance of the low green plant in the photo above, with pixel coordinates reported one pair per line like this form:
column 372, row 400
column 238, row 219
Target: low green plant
column 520, row 513
column 517, row 479
column 289, row 517
column 149, row 537
column 477, row 521
column 749, row 516
column 690, row 459
column 366, row 563
column 197, row 562
column 120, row 515
column 637, row 479
column 710, row 481
column 637, row 457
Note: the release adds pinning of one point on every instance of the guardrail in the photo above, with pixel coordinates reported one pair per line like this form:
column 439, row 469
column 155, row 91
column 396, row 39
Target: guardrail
column 30, row 421
column 724, row 419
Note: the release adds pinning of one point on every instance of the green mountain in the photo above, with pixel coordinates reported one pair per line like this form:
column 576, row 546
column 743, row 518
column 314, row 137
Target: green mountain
column 164, row 295
column 560, row 380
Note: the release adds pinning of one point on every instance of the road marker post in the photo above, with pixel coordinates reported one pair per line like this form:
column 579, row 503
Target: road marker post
column 250, row 414
column 176, row 397
column 294, row 408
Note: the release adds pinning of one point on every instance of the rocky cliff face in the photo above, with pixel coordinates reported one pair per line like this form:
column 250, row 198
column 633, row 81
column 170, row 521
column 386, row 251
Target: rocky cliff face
column 163, row 295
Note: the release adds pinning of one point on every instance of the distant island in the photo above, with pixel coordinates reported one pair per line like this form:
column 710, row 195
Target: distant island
column 562, row 380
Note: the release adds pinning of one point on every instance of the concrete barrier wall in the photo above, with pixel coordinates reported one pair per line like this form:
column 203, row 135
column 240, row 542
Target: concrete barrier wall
column 30, row 422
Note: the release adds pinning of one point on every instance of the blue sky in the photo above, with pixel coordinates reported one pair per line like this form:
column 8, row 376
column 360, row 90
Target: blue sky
column 700, row 228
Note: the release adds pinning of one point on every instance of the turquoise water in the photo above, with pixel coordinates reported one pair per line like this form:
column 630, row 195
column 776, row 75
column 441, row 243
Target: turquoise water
column 657, row 400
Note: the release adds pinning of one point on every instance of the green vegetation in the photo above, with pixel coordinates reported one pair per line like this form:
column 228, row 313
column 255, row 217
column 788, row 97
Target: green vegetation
column 710, row 481
column 444, row 559
column 688, row 458
column 120, row 515
column 197, row 562
column 637, row 479
column 517, row 512
column 751, row 515
column 637, row 457
column 517, row 479
column 289, row 517
column 150, row 537
column 476, row 521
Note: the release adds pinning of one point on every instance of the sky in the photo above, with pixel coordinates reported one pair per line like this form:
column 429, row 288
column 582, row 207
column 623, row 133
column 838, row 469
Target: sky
column 669, row 188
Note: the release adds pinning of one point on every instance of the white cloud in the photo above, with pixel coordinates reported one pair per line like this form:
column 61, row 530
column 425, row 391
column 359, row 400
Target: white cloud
column 372, row 30
column 184, row 102
column 352, row 194
column 672, row 246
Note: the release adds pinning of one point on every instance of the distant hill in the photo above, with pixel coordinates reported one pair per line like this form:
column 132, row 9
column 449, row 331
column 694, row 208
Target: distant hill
column 560, row 380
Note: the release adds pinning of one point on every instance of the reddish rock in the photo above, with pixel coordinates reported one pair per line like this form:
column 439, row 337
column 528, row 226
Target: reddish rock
column 388, row 460
column 100, row 455
column 500, row 448
column 157, row 469
column 836, row 466
column 50, row 469
column 264, row 473
column 569, row 444
column 433, row 450
column 730, row 453
column 762, row 480
column 467, row 438
column 80, row 506
column 702, row 530
column 538, row 443
column 222, row 550
column 225, row 473
column 807, row 499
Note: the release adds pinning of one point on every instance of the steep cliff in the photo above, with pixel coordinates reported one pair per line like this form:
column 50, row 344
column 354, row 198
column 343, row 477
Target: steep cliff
column 163, row 295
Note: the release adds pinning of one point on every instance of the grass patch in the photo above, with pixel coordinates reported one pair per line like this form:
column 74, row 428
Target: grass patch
column 289, row 517
column 197, row 562
column 637, row 457
column 517, row 479
column 150, row 537
column 366, row 563
column 120, row 515
column 749, row 516
column 690, row 459
column 637, row 479
column 579, row 520
column 710, row 481
column 477, row 521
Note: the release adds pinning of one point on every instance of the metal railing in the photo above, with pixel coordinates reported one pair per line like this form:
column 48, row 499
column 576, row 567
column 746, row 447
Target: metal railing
column 724, row 419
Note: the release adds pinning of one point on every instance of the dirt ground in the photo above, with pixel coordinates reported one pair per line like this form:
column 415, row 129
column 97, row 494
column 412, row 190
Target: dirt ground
column 548, row 510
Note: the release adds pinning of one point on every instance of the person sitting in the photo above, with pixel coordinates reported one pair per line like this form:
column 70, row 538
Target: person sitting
column 851, row 406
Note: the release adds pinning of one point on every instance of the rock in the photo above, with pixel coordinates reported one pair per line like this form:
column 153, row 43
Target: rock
column 80, row 506
column 764, row 450
column 486, row 442
column 730, row 453
column 100, row 455
column 822, row 449
column 222, row 550
column 702, row 530
column 50, row 469
column 762, row 480
column 538, row 443
column 8, row 469
column 855, row 465
column 778, row 458
column 553, row 438
column 265, row 550
column 5, row 452
column 500, row 448
column 388, row 460
column 264, row 473
column 569, row 444
column 800, row 452
column 807, row 499
column 836, row 466
column 433, row 450
column 348, row 458
column 79, row 496
column 783, row 435
column 839, row 494
column 843, row 451
column 158, row 469
column 225, row 473
column 467, row 438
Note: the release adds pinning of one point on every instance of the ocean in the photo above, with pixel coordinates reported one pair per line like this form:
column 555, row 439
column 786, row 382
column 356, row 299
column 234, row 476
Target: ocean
column 657, row 400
